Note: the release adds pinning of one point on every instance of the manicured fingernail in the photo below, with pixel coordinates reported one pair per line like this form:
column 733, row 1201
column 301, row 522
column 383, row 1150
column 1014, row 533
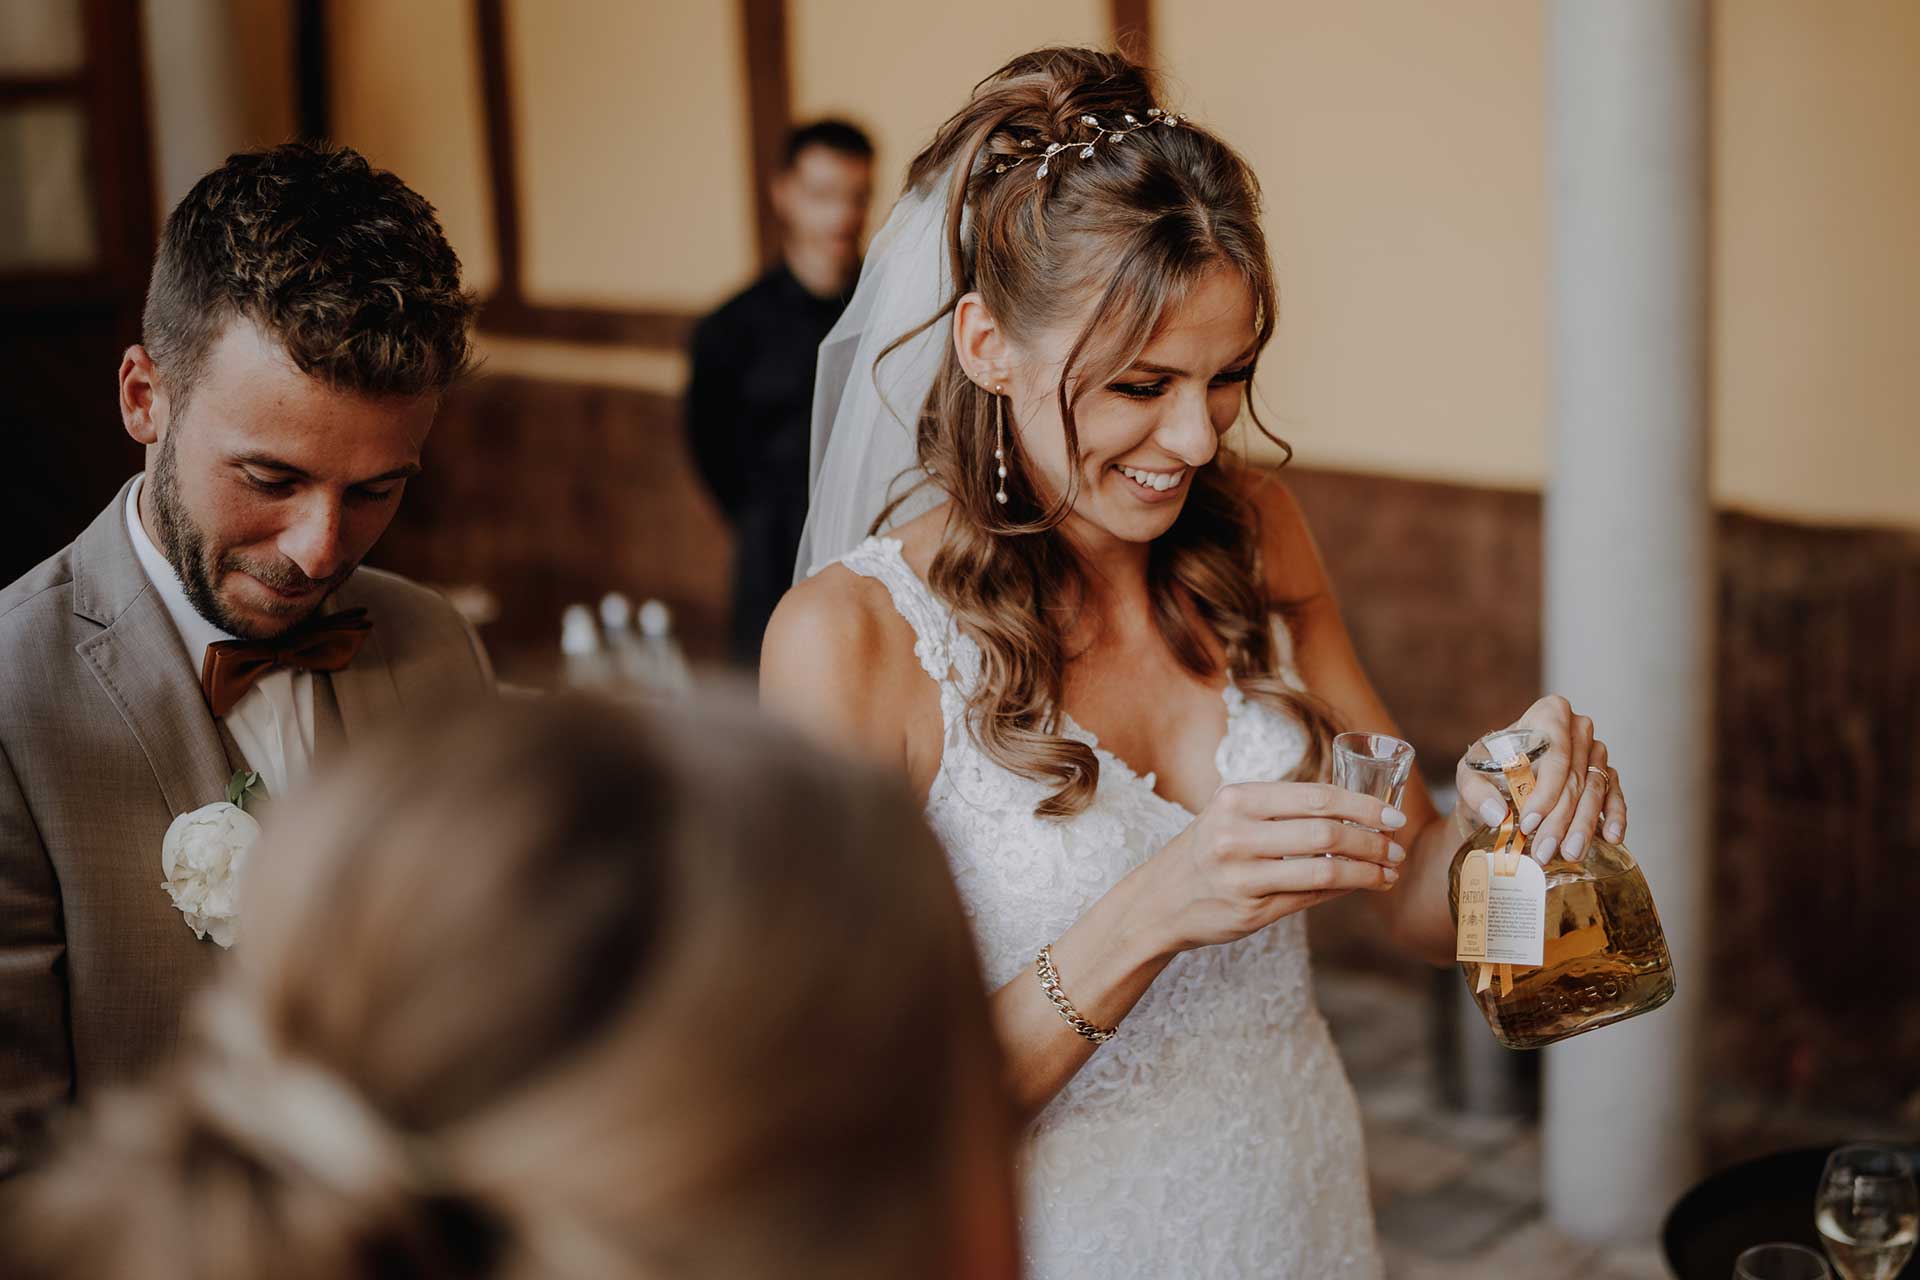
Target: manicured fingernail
column 1491, row 812
column 1614, row 831
column 1390, row 874
column 1543, row 849
column 1395, row 853
column 1392, row 818
column 1528, row 823
column 1573, row 848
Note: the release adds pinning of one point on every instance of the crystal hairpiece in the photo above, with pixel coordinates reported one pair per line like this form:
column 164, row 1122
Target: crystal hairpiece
column 1085, row 146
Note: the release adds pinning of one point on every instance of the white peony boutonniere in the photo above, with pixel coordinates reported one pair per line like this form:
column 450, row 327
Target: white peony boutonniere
column 203, row 856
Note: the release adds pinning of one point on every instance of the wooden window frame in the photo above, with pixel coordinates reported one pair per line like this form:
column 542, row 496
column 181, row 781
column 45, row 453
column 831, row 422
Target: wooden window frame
column 110, row 88
column 764, row 50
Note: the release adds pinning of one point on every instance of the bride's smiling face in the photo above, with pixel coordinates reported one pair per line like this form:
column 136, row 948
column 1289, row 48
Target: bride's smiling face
column 1144, row 431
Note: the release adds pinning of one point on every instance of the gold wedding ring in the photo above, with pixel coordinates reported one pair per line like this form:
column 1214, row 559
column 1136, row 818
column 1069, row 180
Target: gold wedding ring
column 1606, row 775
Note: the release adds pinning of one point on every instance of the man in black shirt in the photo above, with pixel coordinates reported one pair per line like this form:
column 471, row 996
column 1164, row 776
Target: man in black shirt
column 751, row 398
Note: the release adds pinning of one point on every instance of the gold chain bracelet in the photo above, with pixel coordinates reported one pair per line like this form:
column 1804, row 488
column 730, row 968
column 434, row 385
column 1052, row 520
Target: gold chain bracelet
column 1050, row 982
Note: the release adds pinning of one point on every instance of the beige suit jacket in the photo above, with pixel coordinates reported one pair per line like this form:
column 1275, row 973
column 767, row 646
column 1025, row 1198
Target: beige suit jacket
column 104, row 738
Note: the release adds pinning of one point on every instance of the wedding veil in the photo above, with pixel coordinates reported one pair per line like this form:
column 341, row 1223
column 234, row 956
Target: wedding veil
column 865, row 408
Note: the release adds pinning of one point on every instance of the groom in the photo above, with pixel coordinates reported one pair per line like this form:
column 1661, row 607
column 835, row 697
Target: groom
column 304, row 316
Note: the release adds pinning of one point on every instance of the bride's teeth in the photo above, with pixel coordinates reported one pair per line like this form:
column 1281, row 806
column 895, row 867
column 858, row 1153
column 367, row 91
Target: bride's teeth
column 1159, row 483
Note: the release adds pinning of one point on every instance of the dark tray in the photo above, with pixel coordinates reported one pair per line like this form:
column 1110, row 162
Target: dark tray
column 1753, row 1203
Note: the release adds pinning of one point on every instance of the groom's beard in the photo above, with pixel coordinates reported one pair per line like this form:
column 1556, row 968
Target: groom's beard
column 185, row 546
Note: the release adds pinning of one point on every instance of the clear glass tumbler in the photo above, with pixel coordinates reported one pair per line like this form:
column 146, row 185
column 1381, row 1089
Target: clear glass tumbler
column 1372, row 764
column 1780, row 1262
column 1867, row 1211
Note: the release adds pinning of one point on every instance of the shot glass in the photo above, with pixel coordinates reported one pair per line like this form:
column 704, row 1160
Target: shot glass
column 1372, row 764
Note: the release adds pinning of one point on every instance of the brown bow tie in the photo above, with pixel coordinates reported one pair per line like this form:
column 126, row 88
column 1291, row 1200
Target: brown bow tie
column 327, row 644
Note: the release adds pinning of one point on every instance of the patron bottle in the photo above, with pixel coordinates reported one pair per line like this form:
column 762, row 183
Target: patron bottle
column 1550, row 952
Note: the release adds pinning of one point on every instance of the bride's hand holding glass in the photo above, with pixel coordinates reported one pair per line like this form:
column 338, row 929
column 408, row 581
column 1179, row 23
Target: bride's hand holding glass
column 1261, row 851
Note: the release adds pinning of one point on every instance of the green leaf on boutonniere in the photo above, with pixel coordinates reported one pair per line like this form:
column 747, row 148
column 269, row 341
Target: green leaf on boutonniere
column 241, row 786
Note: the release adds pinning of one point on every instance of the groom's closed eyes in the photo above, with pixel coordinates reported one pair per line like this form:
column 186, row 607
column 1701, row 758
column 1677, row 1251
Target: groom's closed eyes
column 276, row 478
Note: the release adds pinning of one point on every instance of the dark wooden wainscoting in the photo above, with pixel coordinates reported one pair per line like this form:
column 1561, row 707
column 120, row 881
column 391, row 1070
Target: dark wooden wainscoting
column 1814, row 992
column 1421, row 568
column 66, row 452
column 551, row 493
column 548, row 493
column 1816, row 869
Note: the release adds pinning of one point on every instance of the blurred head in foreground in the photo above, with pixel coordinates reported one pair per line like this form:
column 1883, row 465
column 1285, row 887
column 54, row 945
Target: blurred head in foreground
column 544, row 989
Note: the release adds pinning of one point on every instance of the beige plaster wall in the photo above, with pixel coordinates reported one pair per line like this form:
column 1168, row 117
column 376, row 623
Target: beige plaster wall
column 899, row 70
column 406, row 92
column 1401, row 147
column 636, row 169
column 1816, row 258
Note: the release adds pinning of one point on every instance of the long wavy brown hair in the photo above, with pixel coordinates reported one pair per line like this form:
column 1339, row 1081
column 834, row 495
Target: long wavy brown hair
column 1131, row 231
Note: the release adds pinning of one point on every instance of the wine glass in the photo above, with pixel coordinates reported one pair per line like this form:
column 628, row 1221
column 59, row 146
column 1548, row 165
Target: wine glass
column 1780, row 1262
column 1866, row 1211
column 1372, row 764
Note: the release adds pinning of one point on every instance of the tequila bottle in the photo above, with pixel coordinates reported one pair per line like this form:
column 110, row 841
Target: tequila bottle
column 1604, row 957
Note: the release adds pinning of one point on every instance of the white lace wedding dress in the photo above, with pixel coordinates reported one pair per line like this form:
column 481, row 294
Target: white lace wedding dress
column 1217, row 1135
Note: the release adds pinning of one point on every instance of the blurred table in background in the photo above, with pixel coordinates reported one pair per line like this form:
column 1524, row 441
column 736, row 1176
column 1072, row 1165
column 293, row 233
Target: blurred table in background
column 1756, row 1202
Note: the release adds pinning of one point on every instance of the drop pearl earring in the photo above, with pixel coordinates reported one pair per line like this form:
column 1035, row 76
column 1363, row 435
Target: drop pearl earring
column 1000, row 443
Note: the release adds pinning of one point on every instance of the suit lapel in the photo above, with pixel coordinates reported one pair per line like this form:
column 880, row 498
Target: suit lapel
column 141, row 666
column 365, row 690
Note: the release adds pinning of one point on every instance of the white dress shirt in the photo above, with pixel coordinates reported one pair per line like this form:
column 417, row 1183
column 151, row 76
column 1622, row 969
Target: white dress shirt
column 273, row 721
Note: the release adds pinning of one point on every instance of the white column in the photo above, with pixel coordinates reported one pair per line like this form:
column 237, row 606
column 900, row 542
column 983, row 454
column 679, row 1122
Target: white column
column 1629, row 557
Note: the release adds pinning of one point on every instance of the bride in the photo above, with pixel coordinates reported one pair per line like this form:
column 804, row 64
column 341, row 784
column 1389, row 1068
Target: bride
column 1110, row 661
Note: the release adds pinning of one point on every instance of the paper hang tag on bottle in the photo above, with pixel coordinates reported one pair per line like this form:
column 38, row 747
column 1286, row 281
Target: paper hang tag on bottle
column 1517, row 889
column 1472, row 929
column 1502, row 904
column 1516, row 912
column 1515, row 902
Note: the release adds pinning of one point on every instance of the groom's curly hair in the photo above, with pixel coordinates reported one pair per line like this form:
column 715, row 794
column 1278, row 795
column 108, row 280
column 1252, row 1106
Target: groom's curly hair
column 342, row 264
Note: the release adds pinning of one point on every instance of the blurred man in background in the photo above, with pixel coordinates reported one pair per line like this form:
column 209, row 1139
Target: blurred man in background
column 751, row 396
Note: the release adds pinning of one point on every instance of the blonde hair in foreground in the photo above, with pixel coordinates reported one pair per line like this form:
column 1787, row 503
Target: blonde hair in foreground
column 540, row 988
column 1126, row 233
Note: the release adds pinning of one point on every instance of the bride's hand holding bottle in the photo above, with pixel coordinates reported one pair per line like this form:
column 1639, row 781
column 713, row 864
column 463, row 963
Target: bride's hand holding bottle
column 1577, row 796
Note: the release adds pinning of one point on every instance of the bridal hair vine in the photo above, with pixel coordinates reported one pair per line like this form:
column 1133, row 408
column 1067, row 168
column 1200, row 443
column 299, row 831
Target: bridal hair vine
column 1085, row 146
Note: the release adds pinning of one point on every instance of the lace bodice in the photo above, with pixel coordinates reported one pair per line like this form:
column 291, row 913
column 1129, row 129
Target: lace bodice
column 1217, row 1134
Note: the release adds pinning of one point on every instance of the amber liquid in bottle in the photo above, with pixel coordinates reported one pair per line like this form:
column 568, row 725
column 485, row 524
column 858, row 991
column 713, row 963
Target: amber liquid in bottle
column 1605, row 956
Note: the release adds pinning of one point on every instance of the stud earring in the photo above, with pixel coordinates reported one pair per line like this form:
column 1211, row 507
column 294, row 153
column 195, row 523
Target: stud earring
column 1000, row 442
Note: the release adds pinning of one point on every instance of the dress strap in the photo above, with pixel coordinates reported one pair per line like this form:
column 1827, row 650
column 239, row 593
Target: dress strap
column 933, row 629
